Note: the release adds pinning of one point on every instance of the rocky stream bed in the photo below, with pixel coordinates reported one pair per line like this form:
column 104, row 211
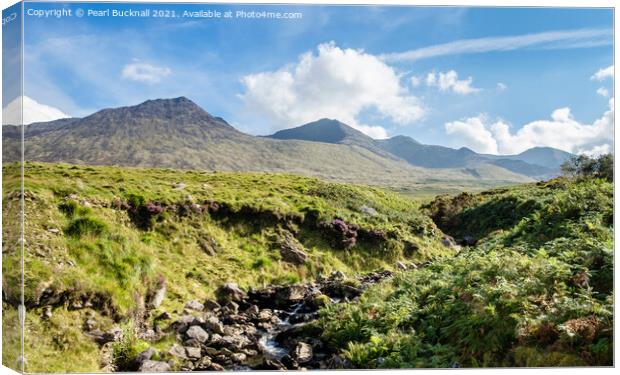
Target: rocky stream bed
column 266, row 329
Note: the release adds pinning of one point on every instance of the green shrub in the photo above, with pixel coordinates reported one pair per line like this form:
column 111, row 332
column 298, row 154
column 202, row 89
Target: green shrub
column 126, row 349
column 261, row 262
column 72, row 208
column 84, row 226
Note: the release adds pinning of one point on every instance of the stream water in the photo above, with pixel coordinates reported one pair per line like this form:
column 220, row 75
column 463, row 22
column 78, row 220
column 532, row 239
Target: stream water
column 268, row 343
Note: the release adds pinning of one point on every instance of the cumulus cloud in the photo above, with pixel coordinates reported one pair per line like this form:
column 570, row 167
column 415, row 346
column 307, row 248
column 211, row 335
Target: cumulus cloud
column 336, row 83
column 603, row 74
column 144, row 72
column 501, row 86
column 33, row 111
column 449, row 81
column 474, row 133
column 602, row 92
column 415, row 81
column 562, row 131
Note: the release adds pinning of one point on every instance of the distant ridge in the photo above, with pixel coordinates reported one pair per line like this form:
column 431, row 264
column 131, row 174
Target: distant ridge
column 177, row 133
column 538, row 163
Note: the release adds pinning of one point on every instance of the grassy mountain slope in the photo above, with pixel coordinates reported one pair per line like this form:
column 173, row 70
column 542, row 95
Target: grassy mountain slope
column 535, row 291
column 176, row 133
column 101, row 239
column 539, row 163
column 331, row 131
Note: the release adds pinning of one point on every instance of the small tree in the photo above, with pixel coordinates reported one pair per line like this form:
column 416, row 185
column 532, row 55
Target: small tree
column 584, row 166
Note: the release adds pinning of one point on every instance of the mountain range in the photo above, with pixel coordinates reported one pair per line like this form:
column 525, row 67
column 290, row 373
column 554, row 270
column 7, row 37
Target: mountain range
column 177, row 133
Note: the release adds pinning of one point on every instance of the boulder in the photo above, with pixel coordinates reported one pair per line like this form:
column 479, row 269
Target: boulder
column 104, row 337
column 401, row 265
column 211, row 305
column 202, row 364
column 154, row 366
column 368, row 211
column 214, row 325
column 196, row 332
column 193, row 352
column 291, row 294
column 235, row 342
column 229, row 292
column 303, row 353
column 194, row 305
column 252, row 311
column 216, row 367
column 238, row 357
column 448, row 241
column 265, row 315
column 291, row 250
column 143, row 356
column 178, row 351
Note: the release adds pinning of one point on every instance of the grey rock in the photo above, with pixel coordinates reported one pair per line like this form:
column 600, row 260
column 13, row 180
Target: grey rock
column 368, row 211
column 211, row 305
column 292, row 293
column 216, row 367
column 154, row 366
column 177, row 351
column 193, row 352
column 230, row 292
column 238, row 357
column 196, row 332
column 291, row 250
column 214, row 325
column 194, row 305
column 303, row 352
column 265, row 315
column 448, row 241
column 203, row 364
column 144, row 356
column 401, row 265
column 252, row 311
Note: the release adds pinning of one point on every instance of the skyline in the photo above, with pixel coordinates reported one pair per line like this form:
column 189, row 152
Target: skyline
column 490, row 79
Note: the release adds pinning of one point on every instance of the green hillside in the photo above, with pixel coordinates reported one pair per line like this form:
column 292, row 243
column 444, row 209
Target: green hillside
column 177, row 133
column 536, row 290
column 133, row 250
column 99, row 241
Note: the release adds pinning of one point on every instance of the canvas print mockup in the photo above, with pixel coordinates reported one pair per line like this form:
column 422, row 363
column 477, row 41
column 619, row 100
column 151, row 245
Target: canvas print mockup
column 244, row 187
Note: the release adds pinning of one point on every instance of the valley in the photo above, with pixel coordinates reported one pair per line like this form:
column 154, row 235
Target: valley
column 176, row 133
column 155, row 269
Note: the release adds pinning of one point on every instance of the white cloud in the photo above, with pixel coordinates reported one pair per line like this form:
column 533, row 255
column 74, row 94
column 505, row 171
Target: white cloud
column 336, row 83
column 603, row 74
column 143, row 72
column 32, row 111
column 602, row 92
column 415, row 81
column 449, row 81
column 473, row 133
column 562, row 131
column 501, row 86
column 562, row 39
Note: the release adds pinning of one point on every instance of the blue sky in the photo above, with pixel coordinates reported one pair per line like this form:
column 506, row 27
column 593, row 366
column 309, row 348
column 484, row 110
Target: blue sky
column 498, row 80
